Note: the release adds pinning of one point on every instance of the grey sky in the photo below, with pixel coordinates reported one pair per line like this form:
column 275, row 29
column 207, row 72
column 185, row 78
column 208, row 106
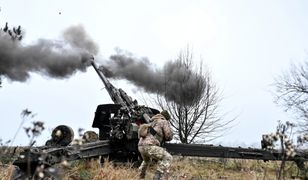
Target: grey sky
column 244, row 43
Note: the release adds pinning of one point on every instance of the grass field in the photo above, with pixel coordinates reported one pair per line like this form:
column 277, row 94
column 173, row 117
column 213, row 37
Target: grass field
column 182, row 168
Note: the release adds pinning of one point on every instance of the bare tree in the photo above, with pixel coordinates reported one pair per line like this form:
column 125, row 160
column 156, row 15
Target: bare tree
column 194, row 106
column 292, row 93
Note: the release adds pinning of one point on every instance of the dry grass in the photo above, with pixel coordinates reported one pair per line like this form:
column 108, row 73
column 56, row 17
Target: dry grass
column 6, row 171
column 93, row 170
column 213, row 168
column 182, row 168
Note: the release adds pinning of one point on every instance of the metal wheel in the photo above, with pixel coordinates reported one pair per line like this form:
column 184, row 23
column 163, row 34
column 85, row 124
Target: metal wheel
column 61, row 136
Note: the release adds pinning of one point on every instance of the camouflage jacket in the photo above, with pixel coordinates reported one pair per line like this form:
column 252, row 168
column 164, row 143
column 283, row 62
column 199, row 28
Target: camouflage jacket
column 163, row 129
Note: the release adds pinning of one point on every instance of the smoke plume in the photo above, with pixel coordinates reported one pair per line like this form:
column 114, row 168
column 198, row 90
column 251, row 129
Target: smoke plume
column 56, row 59
column 174, row 80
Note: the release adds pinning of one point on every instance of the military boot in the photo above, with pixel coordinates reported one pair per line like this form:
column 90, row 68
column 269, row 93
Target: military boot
column 158, row 175
column 142, row 172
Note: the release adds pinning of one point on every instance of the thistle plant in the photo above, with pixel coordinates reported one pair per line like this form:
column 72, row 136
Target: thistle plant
column 282, row 139
column 282, row 134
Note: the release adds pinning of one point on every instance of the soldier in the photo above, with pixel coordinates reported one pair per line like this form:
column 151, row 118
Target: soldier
column 151, row 138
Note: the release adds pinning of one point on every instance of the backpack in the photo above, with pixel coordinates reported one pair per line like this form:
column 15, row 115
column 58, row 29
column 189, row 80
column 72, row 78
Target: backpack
column 143, row 130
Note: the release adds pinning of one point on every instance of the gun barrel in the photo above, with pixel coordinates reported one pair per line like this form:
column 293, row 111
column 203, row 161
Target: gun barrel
column 112, row 91
column 103, row 78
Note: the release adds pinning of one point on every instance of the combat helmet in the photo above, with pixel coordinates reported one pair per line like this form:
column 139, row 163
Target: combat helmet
column 166, row 114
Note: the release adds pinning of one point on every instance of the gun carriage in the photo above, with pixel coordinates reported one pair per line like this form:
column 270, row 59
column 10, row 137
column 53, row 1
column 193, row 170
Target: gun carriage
column 118, row 125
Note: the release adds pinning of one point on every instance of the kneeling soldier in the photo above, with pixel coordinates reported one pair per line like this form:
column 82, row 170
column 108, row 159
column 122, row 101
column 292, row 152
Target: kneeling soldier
column 151, row 137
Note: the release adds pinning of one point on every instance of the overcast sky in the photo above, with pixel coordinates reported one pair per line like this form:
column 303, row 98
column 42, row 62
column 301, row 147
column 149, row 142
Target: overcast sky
column 245, row 43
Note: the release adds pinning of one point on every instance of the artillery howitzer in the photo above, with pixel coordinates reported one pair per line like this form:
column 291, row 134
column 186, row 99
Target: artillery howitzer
column 118, row 125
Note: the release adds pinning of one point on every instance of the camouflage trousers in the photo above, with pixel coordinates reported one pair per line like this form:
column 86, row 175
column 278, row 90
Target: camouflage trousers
column 149, row 153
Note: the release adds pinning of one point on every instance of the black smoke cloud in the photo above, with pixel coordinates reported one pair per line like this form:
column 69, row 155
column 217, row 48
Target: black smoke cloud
column 56, row 59
column 174, row 80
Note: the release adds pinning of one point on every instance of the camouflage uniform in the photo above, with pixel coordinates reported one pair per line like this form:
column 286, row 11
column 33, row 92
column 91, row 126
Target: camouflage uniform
column 149, row 146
